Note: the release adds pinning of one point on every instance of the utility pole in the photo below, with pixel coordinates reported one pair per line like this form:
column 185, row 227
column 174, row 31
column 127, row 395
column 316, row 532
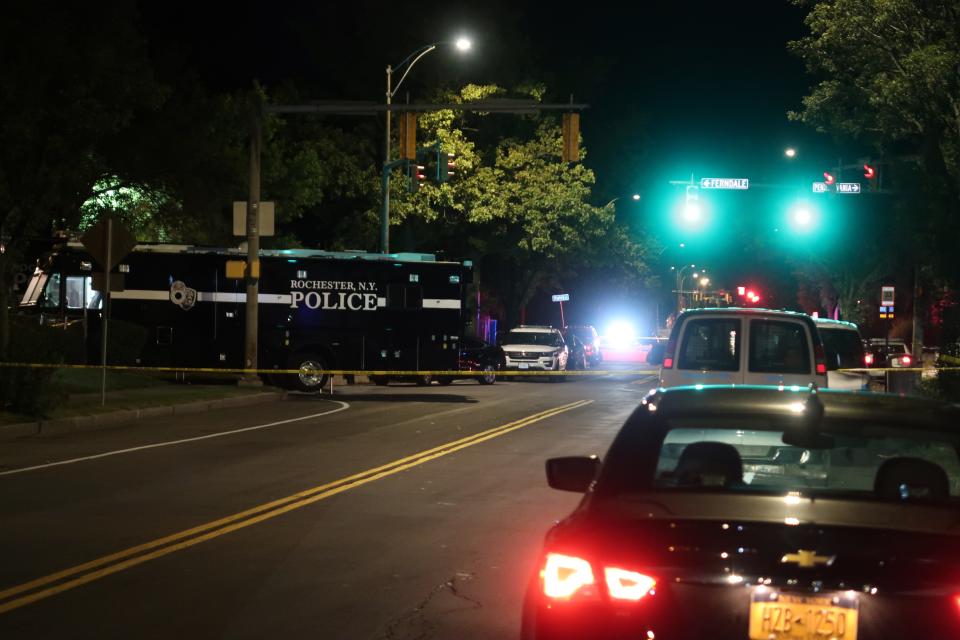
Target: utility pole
column 253, row 248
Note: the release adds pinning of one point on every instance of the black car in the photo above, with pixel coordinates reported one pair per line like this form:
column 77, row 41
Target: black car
column 477, row 355
column 759, row 512
column 586, row 339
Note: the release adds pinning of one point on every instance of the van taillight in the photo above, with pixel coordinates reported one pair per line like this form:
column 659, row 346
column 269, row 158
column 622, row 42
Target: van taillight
column 820, row 358
column 668, row 354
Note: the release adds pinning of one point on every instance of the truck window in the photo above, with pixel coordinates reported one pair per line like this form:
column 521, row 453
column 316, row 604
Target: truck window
column 711, row 345
column 50, row 298
column 80, row 293
column 778, row 347
column 34, row 287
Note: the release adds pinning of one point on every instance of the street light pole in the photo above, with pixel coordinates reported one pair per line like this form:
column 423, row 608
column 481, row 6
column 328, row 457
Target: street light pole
column 680, row 285
column 461, row 44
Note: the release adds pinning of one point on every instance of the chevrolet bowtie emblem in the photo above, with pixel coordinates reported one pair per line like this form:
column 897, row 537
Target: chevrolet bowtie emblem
column 807, row 559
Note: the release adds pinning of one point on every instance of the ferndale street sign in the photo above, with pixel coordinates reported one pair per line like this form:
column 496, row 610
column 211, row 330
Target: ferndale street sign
column 725, row 183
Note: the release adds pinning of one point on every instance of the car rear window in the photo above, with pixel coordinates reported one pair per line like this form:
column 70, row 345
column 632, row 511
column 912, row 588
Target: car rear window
column 872, row 461
column 711, row 344
column 778, row 346
column 843, row 348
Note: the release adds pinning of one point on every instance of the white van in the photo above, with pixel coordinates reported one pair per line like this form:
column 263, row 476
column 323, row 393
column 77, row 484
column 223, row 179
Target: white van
column 743, row 346
column 843, row 346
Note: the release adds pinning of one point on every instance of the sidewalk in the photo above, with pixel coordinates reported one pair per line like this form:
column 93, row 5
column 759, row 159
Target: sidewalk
column 148, row 398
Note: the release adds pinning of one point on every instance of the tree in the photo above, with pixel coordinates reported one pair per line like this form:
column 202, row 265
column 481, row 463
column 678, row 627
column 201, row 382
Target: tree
column 515, row 208
column 73, row 79
column 889, row 76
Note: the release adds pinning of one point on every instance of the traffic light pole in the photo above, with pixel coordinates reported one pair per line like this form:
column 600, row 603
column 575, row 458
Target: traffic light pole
column 388, row 167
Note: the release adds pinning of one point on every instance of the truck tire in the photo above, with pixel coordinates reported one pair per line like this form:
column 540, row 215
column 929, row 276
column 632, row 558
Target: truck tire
column 424, row 381
column 446, row 381
column 308, row 380
column 380, row 381
column 489, row 375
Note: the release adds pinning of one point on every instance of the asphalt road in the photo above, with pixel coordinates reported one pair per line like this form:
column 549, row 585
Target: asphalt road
column 384, row 513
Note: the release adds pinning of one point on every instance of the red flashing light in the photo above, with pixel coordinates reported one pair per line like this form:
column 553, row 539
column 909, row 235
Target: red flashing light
column 750, row 294
column 829, row 178
column 868, row 359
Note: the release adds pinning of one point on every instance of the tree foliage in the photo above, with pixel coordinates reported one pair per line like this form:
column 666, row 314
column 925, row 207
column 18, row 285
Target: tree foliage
column 889, row 75
column 514, row 207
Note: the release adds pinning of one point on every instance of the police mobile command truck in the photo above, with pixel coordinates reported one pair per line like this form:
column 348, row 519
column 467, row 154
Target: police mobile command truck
column 317, row 310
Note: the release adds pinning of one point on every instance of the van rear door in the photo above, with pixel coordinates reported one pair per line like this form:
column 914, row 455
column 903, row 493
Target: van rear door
column 710, row 352
column 781, row 352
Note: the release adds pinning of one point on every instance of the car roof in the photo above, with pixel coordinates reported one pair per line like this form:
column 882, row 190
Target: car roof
column 533, row 328
column 742, row 400
column 830, row 323
column 746, row 310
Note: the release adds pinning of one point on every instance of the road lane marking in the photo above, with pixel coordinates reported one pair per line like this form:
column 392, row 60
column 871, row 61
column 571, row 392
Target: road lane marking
column 128, row 558
column 219, row 434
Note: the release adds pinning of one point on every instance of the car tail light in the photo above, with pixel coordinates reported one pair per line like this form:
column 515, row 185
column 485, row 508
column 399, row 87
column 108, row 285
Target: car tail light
column 820, row 357
column 564, row 575
column 627, row 585
column 868, row 359
column 906, row 360
column 668, row 354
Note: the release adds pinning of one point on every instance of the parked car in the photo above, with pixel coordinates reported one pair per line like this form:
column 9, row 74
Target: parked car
column 741, row 346
column 843, row 347
column 590, row 339
column 535, row 348
column 477, row 355
column 891, row 353
column 758, row 512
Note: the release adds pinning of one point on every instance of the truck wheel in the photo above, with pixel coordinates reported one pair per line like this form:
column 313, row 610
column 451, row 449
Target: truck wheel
column 380, row 381
column 309, row 380
column 424, row 381
column 445, row 381
column 489, row 375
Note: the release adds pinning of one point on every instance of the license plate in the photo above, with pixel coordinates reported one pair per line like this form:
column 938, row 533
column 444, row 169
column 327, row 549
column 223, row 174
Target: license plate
column 779, row 616
column 524, row 365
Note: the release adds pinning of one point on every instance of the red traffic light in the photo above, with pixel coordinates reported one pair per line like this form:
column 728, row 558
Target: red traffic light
column 869, row 172
column 829, row 178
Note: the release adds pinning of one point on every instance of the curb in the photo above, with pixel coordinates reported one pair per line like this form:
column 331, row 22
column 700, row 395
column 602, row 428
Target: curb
column 75, row 424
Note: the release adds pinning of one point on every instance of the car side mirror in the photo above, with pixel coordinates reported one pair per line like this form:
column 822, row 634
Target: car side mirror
column 655, row 355
column 572, row 473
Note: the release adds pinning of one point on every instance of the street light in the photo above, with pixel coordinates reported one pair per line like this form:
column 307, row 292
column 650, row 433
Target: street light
column 461, row 44
column 680, row 277
column 790, row 152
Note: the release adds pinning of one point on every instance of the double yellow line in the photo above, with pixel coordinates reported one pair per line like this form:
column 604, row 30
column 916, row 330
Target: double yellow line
column 50, row 585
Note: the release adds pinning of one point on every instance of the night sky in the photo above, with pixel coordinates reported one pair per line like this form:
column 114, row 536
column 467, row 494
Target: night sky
column 674, row 88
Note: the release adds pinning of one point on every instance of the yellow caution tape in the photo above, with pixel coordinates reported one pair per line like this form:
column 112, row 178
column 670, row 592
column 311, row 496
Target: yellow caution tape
column 363, row 372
